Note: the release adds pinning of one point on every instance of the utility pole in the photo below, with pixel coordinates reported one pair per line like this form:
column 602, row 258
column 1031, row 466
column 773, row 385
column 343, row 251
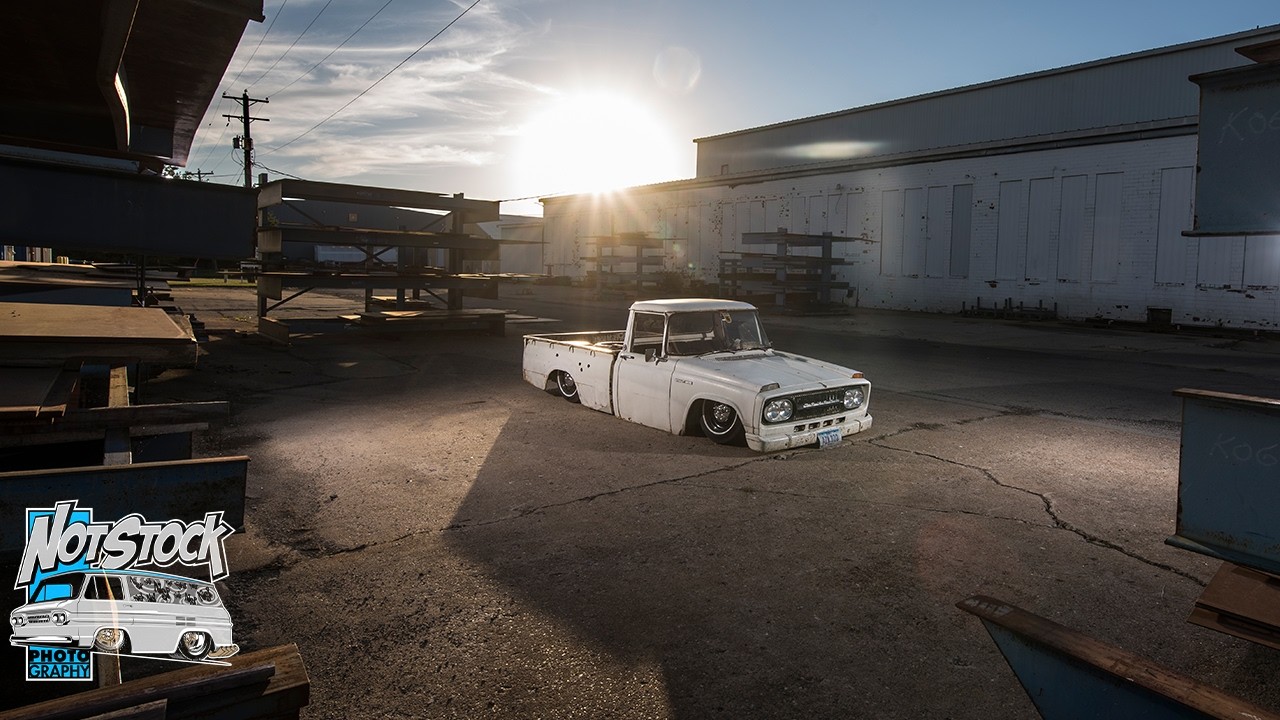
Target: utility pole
column 245, row 142
column 199, row 174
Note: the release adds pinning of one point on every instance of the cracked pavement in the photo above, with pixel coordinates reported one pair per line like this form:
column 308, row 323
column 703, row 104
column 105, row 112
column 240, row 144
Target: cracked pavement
column 442, row 540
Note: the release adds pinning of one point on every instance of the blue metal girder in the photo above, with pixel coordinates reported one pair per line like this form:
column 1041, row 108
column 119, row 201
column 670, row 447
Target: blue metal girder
column 181, row 489
column 1069, row 675
column 1229, row 478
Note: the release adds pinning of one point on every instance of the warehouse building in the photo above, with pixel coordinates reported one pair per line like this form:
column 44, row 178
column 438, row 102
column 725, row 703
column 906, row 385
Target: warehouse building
column 1068, row 189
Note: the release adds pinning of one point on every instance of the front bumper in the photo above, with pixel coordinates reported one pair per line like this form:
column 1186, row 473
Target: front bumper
column 785, row 436
column 41, row 640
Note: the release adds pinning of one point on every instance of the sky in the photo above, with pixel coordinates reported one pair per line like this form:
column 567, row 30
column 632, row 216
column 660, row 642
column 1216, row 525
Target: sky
column 513, row 100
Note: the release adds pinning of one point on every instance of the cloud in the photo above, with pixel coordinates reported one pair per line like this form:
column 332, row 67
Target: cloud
column 446, row 106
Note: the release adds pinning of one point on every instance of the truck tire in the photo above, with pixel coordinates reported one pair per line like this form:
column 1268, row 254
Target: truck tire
column 111, row 640
column 721, row 423
column 194, row 645
column 566, row 386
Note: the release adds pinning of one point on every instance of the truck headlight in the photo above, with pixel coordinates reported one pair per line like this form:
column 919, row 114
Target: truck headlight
column 854, row 397
column 17, row 620
column 778, row 410
column 60, row 617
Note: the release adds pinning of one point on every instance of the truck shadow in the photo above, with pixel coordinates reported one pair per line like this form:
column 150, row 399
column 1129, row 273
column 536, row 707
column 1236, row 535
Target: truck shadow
column 748, row 603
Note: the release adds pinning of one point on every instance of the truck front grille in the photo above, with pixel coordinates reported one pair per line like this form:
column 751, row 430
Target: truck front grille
column 818, row 404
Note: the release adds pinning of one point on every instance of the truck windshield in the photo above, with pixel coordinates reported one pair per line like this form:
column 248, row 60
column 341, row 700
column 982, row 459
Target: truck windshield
column 697, row 333
column 59, row 587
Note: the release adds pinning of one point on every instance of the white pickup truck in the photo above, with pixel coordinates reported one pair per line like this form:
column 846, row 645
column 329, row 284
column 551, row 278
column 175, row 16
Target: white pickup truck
column 694, row 365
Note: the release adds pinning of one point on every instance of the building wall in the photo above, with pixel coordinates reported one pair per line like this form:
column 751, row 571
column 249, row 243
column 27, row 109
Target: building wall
column 1095, row 230
column 521, row 249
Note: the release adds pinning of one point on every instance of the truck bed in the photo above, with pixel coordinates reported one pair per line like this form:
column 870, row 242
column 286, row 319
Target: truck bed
column 586, row 356
column 606, row 341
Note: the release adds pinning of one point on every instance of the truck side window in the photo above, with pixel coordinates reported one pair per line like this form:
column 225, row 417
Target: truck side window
column 103, row 588
column 646, row 331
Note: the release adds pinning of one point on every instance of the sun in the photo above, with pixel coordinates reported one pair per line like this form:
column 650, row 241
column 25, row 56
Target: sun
column 594, row 143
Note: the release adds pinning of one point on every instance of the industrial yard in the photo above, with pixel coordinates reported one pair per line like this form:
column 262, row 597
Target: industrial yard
column 441, row 539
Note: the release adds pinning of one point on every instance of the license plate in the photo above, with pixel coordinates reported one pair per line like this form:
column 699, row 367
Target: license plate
column 829, row 437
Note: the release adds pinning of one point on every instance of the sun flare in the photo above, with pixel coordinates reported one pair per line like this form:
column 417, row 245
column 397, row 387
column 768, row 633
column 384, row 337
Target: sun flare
column 594, row 143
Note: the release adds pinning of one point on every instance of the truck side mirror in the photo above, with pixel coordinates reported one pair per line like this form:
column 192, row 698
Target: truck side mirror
column 650, row 354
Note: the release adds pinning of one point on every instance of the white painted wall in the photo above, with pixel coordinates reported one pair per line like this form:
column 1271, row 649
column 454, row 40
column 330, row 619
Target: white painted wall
column 1096, row 230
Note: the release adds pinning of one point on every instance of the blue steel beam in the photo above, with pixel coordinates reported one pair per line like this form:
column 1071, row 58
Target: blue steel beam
column 1070, row 675
column 182, row 490
column 1229, row 478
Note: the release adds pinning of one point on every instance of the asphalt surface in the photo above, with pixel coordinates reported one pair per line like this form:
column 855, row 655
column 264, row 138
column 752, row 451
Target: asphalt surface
column 442, row 540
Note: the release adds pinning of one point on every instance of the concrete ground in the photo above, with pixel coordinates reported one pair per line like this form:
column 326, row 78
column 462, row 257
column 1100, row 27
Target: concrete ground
column 442, row 540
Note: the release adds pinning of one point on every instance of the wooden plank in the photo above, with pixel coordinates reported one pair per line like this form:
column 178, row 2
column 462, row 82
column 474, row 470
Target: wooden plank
column 370, row 237
column 1241, row 602
column 129, row 416
column 273, row 329
column 492, row 320
column 266, row 683
column 35, row 334
column 428, row 315
column 118, row 388
column 26, row 321
column 155, row 710
column 23, row 391
column 1070, row 675
column 365, row 280
column 62, row 391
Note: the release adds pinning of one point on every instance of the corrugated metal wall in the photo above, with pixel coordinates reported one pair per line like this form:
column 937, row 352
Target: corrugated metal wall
column 1093, row 226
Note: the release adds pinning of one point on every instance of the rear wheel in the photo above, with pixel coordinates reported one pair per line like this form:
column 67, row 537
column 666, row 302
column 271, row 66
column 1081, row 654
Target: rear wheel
column 566, row 386
column 195, row 645
column 721, row 423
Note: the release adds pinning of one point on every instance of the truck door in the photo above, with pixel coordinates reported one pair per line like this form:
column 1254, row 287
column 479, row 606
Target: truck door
column 642, row 391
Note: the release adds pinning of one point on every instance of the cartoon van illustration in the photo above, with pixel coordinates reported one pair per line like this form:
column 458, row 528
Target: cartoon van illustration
column 126, row 611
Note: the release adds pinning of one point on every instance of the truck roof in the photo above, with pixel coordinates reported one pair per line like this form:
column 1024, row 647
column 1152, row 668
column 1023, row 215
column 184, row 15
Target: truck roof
column 689, row 305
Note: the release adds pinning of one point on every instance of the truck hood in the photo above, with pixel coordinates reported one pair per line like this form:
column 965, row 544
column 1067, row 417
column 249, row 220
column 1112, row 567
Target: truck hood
column 755, row 369
column 43, row 606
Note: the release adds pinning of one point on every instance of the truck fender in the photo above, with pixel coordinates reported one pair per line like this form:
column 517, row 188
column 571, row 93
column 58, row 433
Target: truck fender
column 692, row 425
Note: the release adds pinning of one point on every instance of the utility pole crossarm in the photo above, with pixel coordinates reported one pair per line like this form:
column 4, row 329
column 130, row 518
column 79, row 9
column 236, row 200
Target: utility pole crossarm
column 245, row 119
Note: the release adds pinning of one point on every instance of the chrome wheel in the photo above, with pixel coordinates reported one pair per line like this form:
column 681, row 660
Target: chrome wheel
column 194, row 645
column 567, row 387
column 720, row 423
column 109, row 640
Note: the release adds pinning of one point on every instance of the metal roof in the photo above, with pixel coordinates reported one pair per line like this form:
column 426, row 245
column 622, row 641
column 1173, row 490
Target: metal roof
column 689, row 305
column 1145, row 91
column 121, row 78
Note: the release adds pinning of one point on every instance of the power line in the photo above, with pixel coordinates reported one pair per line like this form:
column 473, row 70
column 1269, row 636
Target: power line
column 375, row 82
column 291, row 46
column 264, row 35
column 331, row 52
column 244, row 67
column 279, row 172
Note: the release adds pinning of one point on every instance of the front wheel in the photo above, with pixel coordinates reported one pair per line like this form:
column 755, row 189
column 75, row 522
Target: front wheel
column 721, row 423
column 111, row 640
column 566, row 386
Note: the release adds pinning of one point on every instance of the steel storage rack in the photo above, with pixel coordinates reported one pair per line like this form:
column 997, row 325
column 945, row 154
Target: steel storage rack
column 783, row 275
column 442, row 236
